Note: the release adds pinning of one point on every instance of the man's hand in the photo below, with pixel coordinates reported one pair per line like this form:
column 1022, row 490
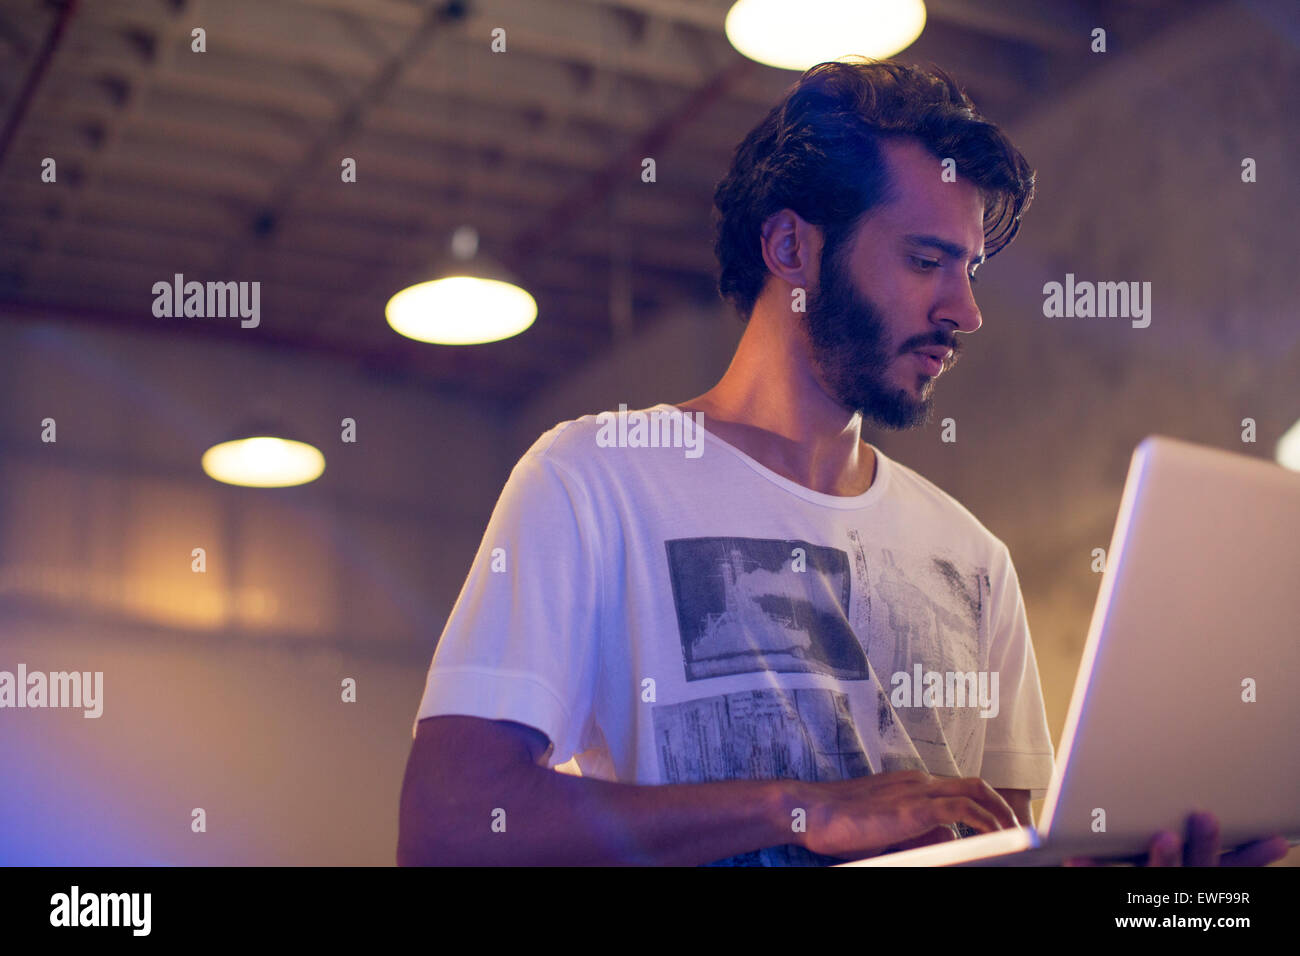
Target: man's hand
column 867, row 815
column 1202, row 848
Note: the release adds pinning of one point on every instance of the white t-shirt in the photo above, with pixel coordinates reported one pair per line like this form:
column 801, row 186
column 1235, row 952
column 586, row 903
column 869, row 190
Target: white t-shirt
column 681, row 613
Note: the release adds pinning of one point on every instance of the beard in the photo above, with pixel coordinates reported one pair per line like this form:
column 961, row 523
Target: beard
column 851, row 352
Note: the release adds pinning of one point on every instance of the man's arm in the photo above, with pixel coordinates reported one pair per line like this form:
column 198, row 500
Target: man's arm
column 466, row 773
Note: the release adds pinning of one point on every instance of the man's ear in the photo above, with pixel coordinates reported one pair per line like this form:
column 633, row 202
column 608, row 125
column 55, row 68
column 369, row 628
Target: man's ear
column 791, row 248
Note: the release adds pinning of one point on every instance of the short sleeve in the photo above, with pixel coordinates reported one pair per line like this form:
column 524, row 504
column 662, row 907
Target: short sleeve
column 1018, row 753
column 522, row 641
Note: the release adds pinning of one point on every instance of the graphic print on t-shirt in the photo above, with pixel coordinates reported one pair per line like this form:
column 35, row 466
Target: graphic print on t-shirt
column 930, row 614
column 803, row 734
column 750, row 605
column 762, row 604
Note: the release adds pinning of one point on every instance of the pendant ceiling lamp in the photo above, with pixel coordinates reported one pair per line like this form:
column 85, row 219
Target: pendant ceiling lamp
column 796, row 35
column 471, row 300
column 261, row 455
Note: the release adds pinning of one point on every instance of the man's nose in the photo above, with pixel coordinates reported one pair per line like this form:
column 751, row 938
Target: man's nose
column 959, row 307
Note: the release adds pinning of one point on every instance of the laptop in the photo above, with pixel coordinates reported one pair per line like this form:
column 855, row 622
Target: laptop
column 1186, row 696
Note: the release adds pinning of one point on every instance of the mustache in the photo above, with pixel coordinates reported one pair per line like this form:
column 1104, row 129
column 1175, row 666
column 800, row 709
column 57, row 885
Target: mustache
column 942, row 343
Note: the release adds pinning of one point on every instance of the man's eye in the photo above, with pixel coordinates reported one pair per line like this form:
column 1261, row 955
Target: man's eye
column 925, row 265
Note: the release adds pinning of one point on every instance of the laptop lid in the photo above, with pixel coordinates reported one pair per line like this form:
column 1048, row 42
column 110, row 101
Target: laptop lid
column 1186, row 695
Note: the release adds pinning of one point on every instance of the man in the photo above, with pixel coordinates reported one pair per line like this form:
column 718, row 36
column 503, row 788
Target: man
column 780, row 647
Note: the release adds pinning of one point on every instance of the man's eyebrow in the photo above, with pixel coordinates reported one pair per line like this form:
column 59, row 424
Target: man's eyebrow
column 953, row 249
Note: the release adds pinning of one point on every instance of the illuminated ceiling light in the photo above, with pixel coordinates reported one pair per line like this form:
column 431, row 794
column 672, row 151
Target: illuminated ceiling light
column 795, row 36
column 472, row 301
column 263, row 461
column 1287, row 453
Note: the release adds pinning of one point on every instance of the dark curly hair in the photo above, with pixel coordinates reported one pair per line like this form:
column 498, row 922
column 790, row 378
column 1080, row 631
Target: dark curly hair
column 818, row 152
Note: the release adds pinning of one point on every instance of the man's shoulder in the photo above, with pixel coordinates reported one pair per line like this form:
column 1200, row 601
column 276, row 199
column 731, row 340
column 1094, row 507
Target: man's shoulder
column 580, row 446
column 946, row 510
column 578, row 449
column 570, row 444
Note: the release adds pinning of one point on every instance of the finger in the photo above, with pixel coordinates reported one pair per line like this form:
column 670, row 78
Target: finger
column 945, row 810
column 994, row 802
column 1202, row 847
column 1165, row 850
column 1259, row 853
column 978, row 790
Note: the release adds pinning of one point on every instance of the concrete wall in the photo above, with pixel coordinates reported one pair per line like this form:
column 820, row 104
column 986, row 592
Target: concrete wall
column 222, row 689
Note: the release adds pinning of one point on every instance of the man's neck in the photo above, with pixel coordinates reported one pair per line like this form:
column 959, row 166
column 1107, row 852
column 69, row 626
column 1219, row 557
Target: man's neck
column 769, row 405
column 818, row 448
column 837, row 463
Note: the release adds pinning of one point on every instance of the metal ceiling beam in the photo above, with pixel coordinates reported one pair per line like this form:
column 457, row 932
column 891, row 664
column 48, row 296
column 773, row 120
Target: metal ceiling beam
column 113, row 133
column 322, row 153
column 40, row 67
column 625, row 167
column 439, row 371
column 532, row 35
